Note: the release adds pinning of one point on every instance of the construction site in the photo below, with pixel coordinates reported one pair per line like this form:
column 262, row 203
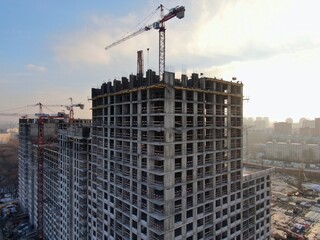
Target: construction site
column 39, row 168
column 162, row 158
column 295, row 201
column 295, row 208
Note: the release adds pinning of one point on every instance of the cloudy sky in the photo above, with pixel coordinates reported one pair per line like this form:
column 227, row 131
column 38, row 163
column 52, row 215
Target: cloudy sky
column 53, row 50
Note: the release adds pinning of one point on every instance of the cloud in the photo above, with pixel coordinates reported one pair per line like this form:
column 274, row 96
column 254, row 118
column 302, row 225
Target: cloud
column 271, row 46
column 243, row 30
column 280, row 86
column 83, row 47
column 87, row 45
column 213, row 33
column 36, row 68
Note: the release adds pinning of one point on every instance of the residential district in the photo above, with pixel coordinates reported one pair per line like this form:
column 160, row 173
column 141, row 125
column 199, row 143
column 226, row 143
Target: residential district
column 164, row 159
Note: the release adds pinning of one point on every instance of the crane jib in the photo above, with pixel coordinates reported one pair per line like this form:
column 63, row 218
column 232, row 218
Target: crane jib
column 174, row 12
column 159, row 25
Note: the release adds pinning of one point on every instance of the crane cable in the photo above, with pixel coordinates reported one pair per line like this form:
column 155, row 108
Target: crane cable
column 14, row 109
column 143, row 21
column 48, row 109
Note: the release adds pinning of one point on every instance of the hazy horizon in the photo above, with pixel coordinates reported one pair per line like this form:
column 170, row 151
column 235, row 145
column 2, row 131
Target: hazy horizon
column 51, row 51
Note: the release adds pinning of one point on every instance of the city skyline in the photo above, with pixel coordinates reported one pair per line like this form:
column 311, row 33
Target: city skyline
column 53, row 51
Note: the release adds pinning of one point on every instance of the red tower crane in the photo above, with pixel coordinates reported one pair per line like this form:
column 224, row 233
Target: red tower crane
column 40, row 145
column 68, row 107
column 40, row 167
column 159, row 25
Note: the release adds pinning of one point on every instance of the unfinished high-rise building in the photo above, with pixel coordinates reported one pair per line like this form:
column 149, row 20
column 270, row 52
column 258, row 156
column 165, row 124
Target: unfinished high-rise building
column 74, row 154
column 51, row 188
column 28, row 152
column 65, row 161
column 166, row 162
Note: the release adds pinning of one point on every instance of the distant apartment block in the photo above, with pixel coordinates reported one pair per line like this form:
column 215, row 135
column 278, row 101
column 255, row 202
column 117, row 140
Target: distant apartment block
column 317, row 126
column 261, row 123
column 288, row 151
column 282, row 128
column 310, row 128
column 166, row 162
column 11, row 133
column 307, row 123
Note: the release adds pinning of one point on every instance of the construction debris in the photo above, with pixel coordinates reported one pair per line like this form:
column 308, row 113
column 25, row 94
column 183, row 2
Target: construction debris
column 295, row 213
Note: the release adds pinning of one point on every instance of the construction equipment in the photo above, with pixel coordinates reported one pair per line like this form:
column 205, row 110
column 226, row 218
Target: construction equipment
column 40, row 145
column 25, row 115
column 292, row 235
column 70, row 109
column 40, row 171
column 140, row 63
column 159, row 25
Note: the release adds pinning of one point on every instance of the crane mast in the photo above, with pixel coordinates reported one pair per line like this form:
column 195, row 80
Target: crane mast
column 70, row 109
column 162, row 45
column 158, row 25
column 40, row 151
column 40, row 167
column 40, row 171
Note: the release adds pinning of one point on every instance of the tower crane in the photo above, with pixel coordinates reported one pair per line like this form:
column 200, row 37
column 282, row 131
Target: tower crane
column 40, row 197
column 70, row 109
column 40, row 167
column 40, row 147
column 178, row 12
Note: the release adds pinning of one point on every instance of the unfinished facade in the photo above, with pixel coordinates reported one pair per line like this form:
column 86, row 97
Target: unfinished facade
column 65, row 160
column 256, row 214
column 74, row 148
column 166, row 159
column 28, row 136
column 165, row 163
column 51, row 190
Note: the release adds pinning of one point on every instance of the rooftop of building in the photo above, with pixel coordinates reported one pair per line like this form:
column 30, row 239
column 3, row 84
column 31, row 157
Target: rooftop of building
column 292, row 143
column 78, row 130
column 253, row 172
column 250, row 170
column 151, row 79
